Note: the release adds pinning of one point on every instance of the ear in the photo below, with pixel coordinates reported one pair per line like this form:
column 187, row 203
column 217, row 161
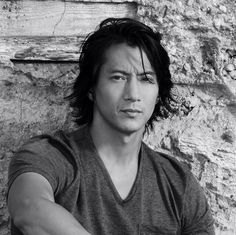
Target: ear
column 91, row 95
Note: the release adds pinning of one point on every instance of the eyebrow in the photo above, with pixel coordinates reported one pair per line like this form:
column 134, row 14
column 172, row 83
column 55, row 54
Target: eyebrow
column 126, row 73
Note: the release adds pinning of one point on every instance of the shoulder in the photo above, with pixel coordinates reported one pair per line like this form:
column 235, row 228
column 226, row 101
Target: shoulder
column 51, row 155
column 168, row 164
column 57, row 150
column 59, row 140
column 173, row 175
column 176, row 177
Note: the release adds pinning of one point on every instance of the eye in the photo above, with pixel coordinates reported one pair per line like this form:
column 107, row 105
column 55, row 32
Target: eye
column 118, row 77
column 148, row 78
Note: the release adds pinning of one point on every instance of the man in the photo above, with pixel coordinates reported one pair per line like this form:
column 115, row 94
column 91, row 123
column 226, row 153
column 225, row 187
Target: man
column 102, row 179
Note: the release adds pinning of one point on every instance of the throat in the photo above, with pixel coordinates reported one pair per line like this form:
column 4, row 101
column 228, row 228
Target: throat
column 120, row 158
column 123, row 176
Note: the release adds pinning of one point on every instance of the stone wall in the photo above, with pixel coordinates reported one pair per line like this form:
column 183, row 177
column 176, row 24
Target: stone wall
column 39, row 44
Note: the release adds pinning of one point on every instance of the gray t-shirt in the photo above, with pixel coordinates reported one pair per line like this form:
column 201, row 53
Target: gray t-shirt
column 164, row 199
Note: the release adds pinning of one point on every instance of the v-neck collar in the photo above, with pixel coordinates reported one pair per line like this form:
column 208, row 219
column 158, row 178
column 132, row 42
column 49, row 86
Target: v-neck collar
column 107, row 176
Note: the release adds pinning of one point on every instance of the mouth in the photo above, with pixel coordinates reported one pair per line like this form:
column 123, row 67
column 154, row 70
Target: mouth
column 131, row 111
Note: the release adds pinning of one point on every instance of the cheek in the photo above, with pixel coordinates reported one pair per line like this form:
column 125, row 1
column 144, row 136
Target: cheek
column 152, row 97
column 107, row 96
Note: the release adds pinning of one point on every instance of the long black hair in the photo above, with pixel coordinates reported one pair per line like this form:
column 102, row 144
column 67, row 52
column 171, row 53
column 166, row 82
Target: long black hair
column 115, row 31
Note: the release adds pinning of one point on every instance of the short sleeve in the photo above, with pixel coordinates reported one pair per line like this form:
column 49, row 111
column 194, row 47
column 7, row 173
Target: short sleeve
column 197, row 218
column 44, row 155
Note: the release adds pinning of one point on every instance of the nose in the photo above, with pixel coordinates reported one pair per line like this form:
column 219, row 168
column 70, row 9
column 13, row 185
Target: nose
column 132, row 92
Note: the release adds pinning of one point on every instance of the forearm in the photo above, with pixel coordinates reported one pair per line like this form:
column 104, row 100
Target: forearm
column 44, row 217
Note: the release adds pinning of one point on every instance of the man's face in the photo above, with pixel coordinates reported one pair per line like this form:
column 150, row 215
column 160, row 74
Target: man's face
column 125, row 94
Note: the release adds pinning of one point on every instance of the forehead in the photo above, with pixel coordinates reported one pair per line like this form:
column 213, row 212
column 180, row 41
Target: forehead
column 128, row 58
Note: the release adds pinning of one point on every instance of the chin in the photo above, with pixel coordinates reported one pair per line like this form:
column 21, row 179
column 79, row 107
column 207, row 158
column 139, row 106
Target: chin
column 131, row 129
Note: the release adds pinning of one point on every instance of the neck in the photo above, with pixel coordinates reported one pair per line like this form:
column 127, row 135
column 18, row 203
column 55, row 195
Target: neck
column 112, row 145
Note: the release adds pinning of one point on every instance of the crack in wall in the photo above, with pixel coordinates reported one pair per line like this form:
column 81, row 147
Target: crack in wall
column 61, row 18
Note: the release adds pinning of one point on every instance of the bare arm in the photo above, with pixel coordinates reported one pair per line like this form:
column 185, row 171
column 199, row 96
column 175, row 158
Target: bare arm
column 33, row 209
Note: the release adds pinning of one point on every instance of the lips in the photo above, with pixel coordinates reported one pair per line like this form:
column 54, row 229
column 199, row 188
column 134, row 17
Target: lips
column 131, row 110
